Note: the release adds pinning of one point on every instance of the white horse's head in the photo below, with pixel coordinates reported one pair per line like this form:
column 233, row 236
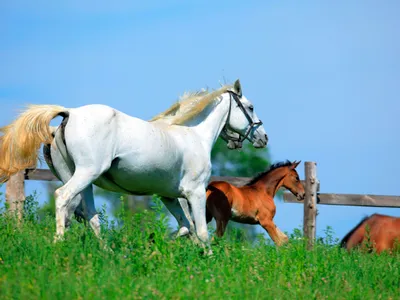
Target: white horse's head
column 243, row 122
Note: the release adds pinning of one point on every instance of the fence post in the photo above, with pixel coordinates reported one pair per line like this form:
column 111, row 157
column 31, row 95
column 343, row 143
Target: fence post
column 15, row 193
column 310, row 203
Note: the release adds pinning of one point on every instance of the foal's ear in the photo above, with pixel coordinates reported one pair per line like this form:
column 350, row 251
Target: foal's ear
column 295, row 164
column 237, row 88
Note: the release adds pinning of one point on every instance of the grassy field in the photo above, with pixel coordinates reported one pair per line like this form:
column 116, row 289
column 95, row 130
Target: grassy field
column 32, row 267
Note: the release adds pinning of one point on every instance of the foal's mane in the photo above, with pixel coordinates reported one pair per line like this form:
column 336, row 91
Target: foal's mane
column 274, row 166
column 189, row 105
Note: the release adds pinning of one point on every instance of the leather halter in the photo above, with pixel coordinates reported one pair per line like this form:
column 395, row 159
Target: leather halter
column 252, row 124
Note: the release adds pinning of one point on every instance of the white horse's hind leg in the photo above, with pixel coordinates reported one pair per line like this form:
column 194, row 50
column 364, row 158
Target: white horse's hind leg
column 85, row 200
column 66, row 201
column 64, row 171
column 90, row 210
column 60, row 167
column 90, row 147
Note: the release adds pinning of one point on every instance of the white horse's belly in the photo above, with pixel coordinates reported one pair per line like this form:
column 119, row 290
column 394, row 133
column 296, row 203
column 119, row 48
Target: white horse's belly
column 156, row 175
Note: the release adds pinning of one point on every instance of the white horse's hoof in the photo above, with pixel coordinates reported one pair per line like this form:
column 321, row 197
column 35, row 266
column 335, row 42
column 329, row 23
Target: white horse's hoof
column 58, row 238
column 183, row 231
column 209, row 253
column 108, row 249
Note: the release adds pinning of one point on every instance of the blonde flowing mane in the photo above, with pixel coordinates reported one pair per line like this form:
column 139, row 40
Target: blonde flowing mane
column 189, row 105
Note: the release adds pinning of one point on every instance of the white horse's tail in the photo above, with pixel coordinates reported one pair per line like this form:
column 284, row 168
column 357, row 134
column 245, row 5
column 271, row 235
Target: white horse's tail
column 21, row 140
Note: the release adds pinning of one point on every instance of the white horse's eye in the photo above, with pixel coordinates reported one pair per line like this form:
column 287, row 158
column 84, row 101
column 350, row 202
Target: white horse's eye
column 251, row 107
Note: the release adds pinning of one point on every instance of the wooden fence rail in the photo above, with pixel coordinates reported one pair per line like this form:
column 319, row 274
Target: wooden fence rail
column 351, row 200
column 46, row 175
column 15, row 195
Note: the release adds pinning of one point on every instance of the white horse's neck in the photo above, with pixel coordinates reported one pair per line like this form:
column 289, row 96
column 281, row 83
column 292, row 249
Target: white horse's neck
column 210, row 125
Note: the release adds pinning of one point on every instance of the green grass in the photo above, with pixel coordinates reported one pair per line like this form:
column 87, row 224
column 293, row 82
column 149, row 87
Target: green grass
column 33, row 267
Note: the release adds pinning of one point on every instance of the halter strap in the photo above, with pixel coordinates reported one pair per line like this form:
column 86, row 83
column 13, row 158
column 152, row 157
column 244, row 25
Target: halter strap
column 252, row 124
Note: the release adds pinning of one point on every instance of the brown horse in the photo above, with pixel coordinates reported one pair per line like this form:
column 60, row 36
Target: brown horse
column 377, row 231
column 254, row 202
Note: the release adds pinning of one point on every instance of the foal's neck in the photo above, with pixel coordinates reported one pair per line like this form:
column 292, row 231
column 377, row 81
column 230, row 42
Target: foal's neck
column 272, row 181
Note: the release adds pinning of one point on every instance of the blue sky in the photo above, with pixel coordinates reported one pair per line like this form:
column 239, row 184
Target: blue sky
column 323, row 76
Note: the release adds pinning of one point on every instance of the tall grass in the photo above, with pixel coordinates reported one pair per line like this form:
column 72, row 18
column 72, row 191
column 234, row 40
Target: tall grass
column 147, row 263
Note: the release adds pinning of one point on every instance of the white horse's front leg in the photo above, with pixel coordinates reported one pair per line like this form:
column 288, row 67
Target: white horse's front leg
column 176, row 210
column 192, row 229
column 197, row 200
column 185, row 207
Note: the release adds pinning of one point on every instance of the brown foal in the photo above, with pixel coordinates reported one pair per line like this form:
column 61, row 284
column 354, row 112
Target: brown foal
column 383, row 233
column 254, row 202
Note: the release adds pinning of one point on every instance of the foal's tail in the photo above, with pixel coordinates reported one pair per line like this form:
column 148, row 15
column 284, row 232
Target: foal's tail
column 21, row 140
column 345, row 240
column 209, row 216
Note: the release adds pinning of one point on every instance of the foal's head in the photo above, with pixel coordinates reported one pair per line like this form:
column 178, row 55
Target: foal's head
column 280, row 174
column 291, row 181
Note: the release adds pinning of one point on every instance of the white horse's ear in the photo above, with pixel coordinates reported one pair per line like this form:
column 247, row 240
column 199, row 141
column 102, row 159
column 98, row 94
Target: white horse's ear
column 237, row 88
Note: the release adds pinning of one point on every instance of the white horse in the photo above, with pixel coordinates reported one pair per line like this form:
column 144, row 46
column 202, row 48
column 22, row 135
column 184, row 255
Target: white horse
column 96, row 144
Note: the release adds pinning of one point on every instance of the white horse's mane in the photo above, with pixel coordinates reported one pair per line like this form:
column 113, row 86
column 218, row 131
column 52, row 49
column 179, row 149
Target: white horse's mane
column 189, row 105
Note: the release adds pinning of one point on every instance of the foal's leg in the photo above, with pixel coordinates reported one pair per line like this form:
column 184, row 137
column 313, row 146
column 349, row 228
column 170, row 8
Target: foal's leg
column 218, row 206
column 221, row 226
column 221, row 215
column 274, row 232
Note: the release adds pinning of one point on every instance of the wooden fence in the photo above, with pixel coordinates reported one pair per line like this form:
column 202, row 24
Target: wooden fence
column 15, row 195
